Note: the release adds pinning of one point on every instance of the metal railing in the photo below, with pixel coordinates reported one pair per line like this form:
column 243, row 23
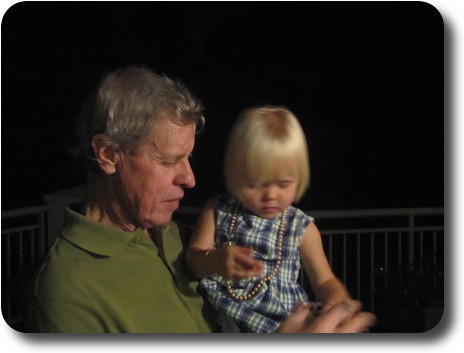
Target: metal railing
column 366, row 248
column 24, row 244
column 372, row 250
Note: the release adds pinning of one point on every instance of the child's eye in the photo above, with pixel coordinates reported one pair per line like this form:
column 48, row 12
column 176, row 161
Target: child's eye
column 285, row 184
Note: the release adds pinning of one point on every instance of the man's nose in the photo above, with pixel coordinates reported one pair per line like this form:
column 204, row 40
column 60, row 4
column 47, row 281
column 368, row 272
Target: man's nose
column 185, row 176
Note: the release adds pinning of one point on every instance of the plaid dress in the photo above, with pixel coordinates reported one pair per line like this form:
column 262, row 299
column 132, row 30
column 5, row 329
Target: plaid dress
column 278, row 297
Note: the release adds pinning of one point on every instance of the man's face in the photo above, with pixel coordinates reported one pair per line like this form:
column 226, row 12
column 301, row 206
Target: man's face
column 153, row 179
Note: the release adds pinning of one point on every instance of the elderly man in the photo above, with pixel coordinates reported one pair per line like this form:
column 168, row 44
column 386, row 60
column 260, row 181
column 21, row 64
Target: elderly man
column 118, row 263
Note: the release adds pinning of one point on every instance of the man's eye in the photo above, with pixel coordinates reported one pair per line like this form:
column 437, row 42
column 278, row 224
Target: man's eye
column 167, row 163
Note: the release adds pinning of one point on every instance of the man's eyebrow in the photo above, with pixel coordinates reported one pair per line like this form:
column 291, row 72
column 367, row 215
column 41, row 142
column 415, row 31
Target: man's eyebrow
column 176, row 157
column 156, row 151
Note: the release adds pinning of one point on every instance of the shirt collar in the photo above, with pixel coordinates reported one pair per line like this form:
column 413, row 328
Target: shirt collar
column 97, row 237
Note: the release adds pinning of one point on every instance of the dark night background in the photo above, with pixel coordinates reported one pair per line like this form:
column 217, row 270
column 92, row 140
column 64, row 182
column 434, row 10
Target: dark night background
column 365, row 80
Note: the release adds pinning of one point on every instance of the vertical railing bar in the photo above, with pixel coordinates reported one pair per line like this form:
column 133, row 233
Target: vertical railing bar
column 32, row 252
column 358, row 267
column 411, row 242
column 400, row 252
column 20, row 248
column 34, row 241
column 42, row 235
column 434, row 239
column 385, row 268
column 421, row 251
column 344, row 257
column 372, row 272
column 330, row 250
column 8, row 255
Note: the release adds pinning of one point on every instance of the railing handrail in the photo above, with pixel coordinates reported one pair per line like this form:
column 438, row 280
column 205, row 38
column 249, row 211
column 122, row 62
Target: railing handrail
column 193, row 210
column 380, row 212
column 362, row 230
column 26, row 211
column 21, row 229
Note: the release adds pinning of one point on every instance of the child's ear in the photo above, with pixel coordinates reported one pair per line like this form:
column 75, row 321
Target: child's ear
column 105, row 151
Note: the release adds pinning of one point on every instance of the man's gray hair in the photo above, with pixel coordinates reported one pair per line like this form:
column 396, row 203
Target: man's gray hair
column 127, row 104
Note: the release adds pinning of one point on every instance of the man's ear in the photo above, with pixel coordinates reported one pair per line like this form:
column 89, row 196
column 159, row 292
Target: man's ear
column 105, row 151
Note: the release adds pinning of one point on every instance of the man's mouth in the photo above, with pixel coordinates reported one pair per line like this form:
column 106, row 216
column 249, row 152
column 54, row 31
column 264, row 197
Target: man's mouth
column 173, row 203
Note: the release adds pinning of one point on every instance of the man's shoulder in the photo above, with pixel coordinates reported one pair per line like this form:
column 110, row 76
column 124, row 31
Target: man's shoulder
column 55, row 275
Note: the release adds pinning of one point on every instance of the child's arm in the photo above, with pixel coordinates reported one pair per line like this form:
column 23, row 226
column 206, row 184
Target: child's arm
column 328, row 288
column 230, row 262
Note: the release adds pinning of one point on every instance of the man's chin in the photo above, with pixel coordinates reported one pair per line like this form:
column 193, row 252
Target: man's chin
column 159, row 221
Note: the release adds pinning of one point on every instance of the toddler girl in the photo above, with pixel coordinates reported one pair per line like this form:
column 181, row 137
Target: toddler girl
column 247, row 247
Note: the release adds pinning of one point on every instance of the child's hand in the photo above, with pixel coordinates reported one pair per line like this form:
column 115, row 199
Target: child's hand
column 331, row 293
column 236, row 262
column 334, row 299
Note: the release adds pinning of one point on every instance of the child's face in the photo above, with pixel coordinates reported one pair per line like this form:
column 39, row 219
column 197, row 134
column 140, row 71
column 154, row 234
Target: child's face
column 267, row 199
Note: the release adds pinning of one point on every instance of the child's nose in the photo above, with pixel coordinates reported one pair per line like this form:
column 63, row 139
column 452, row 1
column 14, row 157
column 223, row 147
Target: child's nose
column 270, row 192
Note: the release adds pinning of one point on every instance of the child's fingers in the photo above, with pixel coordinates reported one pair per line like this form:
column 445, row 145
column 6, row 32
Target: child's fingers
column 245, row 260
column 246, row 266
column 241, row 264
column 245, row 272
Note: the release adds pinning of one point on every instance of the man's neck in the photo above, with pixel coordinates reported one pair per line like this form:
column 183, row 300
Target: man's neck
column 104, row 206
column 108, row 216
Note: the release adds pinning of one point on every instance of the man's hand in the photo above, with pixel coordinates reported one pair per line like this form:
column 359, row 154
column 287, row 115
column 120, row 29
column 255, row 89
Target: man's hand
column 343, row 317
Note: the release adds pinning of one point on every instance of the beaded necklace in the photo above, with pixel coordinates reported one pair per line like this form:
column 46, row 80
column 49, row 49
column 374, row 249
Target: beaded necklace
column 257, row 287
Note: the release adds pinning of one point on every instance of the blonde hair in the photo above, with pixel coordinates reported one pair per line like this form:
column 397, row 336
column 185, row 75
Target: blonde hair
column 265, row 144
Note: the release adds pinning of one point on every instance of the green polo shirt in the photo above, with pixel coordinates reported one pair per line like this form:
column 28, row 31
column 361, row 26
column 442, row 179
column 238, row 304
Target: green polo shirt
column 100, row 279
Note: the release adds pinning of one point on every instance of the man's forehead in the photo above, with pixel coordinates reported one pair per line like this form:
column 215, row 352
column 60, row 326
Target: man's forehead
column 171, row 136
column 172, row 125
